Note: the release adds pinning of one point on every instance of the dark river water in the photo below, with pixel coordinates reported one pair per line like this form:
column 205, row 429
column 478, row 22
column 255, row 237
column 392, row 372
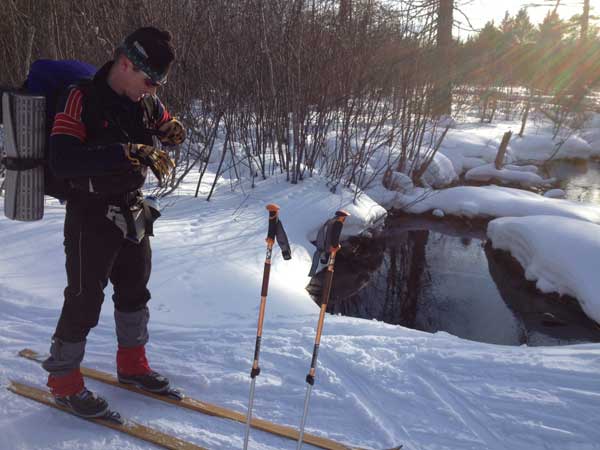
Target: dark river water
column 579, row 179
column 437, row 275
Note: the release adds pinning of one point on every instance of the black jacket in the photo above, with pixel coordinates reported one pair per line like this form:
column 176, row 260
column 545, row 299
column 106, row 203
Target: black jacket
column 91, row 124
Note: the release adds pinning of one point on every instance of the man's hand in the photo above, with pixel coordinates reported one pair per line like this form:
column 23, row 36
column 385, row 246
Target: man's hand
column 158, row 160
column 172, row 132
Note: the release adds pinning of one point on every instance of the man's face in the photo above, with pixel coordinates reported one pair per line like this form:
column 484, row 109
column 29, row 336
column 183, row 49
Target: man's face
column 137, row 83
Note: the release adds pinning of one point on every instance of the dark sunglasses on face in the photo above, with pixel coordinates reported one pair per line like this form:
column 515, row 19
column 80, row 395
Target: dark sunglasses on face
column 149, row 82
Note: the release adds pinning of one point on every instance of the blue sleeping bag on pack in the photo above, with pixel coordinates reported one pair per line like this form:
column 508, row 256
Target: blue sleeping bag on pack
column 50, row 78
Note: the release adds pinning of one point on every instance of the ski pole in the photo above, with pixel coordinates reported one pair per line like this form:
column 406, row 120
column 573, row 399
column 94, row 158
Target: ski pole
column 273, row 222
column 334, row 238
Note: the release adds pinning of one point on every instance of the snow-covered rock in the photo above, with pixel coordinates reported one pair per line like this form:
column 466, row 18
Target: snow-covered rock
column 524, row 176
column 400, row 182
column 555, row 193
column 440, row 172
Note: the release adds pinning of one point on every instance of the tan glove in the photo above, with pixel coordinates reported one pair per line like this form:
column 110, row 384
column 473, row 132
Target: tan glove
column 158, row 160
column 172, row 132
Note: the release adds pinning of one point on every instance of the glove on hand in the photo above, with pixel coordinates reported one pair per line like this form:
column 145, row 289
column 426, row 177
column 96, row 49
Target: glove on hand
column 158, row 160
column 172, row 132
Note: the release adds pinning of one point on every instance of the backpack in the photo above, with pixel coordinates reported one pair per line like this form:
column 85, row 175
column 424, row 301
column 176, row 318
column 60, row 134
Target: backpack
column 50, row 78
column 28, row 176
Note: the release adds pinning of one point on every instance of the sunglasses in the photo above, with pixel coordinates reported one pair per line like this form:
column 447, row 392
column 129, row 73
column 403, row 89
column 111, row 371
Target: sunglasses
column 149, row 82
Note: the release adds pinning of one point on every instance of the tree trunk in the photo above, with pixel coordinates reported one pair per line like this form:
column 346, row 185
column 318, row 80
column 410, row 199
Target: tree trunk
column 585, row 20
column 443, row 92
column 499, row 162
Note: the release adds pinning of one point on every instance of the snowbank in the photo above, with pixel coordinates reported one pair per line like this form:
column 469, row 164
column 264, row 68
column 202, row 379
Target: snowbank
column 493, row 201
column 561, row 254
column 440, row 171
column 470, row 145
column 541, row 147
column 591, row 131
column 523, row 175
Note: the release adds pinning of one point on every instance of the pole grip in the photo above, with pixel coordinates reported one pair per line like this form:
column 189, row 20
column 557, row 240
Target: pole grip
column 273, row 218
column 336, row 229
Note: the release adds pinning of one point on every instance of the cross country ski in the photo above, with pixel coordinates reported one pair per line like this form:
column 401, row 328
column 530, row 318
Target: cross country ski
column 208, row 408
column 111, row 420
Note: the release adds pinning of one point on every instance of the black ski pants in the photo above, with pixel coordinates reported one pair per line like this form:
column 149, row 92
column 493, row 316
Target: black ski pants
column 95, row 253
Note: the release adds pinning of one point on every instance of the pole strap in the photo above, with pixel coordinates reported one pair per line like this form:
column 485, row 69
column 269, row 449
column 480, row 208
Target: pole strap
column 282, row 241
column 277, row 232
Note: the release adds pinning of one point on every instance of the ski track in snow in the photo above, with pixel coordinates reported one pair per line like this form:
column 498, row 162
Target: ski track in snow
column 373, row 389
column 399, row 389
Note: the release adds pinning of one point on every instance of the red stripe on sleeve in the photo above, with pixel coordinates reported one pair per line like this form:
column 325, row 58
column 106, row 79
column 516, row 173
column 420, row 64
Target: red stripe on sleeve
column 69, row 121
column 165, row 117
column 64, row 124
column 77, row 105
column 69, row 103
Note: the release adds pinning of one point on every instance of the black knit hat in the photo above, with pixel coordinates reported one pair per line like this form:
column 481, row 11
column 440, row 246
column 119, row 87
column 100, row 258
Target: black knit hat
column 150, row 50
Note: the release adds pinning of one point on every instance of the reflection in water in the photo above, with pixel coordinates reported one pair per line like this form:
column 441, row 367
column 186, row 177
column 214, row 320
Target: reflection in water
column 436, row 276
column 579, row 178
column 547, row 319
column 385, row 288
column 460, row 297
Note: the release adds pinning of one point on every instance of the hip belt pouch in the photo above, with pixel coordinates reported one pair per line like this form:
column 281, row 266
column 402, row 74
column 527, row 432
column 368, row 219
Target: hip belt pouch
column 135, row 221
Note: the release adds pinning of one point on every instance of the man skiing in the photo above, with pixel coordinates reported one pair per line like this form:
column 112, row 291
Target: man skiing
column 101, row 143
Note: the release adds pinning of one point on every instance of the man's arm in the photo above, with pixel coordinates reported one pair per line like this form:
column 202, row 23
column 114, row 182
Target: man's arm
column 171, row 130
column 69, row 154
column 160, row 114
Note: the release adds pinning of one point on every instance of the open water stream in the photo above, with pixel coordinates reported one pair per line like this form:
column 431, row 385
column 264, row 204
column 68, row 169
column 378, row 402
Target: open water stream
column 436, row 275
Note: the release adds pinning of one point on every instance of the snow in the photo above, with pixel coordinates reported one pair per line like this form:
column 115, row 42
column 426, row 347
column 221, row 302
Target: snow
column 561, row 254
column 541, row 147
column 377, row 385
column 555, row 193
column 470, row 149
column 440, row 172
column 591, row 130
column 508, row 174
column 493, row 201
column 472, row 146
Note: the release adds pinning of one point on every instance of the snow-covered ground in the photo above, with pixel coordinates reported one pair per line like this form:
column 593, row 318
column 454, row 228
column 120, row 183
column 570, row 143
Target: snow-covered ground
column 377, row 385
column 471, row 145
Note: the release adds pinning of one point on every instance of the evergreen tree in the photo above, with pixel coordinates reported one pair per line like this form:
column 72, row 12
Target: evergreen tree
column 523, row 29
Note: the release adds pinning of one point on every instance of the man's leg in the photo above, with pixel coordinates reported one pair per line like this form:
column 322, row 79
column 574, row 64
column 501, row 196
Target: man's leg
column 89, row 258
column 129, row 277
